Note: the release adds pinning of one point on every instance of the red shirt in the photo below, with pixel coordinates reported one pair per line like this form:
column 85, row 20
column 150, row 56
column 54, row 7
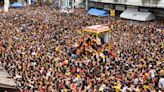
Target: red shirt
column 112, row 54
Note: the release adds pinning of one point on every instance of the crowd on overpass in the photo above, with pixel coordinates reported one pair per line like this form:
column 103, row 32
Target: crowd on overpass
column 43, row 51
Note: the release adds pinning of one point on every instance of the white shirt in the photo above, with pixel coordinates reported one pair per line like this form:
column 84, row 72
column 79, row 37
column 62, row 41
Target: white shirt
column 98, row 41
column 124, row 89
column 48, row 73
column 136, row 81
column 18, row 76
column 161, row 83
column 33, row 53
column 152, row 74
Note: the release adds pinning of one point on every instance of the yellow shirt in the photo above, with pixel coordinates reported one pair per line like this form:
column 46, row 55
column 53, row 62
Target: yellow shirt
column 57, row 49
column 147, row 75
column 36, row 55
column 146, row 87
column 144, row 65
column 163, row 72
column 64, row 90
column 101, row 89
column 67, row 73
column 141, row 59
column 78, row 76
column 118, row 87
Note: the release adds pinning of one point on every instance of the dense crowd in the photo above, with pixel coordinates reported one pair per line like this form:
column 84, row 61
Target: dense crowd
column 44, row 51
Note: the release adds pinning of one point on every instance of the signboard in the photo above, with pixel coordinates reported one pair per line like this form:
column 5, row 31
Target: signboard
column 112, row 12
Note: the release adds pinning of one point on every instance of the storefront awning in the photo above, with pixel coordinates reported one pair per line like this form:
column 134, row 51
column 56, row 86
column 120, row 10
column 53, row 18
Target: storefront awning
column 97, row 12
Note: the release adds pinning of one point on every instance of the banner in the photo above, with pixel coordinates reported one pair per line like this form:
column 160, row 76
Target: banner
column 112, row 13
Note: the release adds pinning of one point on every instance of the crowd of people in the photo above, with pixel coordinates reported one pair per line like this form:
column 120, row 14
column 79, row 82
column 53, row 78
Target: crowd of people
column 44, row 51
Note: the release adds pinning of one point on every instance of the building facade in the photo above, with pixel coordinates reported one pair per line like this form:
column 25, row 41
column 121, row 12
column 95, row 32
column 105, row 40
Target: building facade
column 154, row 6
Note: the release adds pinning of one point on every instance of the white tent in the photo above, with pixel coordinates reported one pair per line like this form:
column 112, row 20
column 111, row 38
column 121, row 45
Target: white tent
column 137, row 15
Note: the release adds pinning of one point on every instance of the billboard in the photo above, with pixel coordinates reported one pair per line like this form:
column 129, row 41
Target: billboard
column 146, row 3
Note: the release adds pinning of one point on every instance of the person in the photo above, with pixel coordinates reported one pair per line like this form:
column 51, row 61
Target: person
column 161, row 83
column 37, row 54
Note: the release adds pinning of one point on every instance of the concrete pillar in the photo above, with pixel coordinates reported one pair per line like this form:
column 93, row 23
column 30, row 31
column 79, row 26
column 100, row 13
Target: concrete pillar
column 73, row 4
column 86, row 4
column 68, row 3
column 59, row 3
column 29, row 2
column 6, row 5
column 65, row 3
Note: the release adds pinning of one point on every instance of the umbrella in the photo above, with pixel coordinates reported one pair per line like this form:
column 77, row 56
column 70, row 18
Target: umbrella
column 16, row 5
